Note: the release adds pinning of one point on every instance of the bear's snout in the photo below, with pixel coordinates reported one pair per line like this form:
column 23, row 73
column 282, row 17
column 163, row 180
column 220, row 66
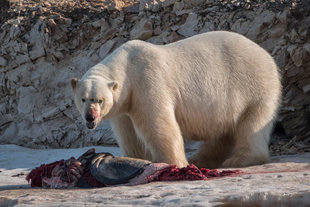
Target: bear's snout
column 90, row 118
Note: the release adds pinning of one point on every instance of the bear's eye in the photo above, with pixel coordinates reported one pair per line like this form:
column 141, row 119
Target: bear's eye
column 100, row 101
column 83, row 100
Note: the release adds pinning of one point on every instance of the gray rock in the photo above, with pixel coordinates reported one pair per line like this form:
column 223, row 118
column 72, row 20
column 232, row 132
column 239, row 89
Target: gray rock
column 9, row 134
column 143, row 30
column 15, row 29
column 184, row 11
column 306, row 88
column 106, row 48
column 207, row 27
column 277, row 31
column 37, row 52
column 196, row 2
column 167, row 3
column 281, row 58
column 3, row 62
column 241, row 26
column 150, row 5
column 112, row 5
column 21, row 59
column 293, row 36
column 20, row 75
column 261, row 21
column 189, row 27
column 282, row 17
column 27, row 99
column 307, row 47
column 297, row 54
column 5, row 119
column 178, row 6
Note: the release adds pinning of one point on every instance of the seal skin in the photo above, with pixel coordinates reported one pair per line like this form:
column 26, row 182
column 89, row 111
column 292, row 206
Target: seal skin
column 112, row 170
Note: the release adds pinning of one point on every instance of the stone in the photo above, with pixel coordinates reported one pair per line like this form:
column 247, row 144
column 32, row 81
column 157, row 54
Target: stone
column 3, row 62
column 189, row 27
column 112, row 5
column 157, row 31
column 269, row 44
column 182, row 12
column 9, row 134
column 207, row 27
column 261, row 21
column 277, row 31
column 106, row 48
column 167, row 3
column 57, row 53
column 175, row 27
column 196, row 2
column 173, row 37
column 15, row 30
column 5, row 119
column 150, row 5
column 293, row 36
column 303, row 29
column 143, row 30
column 307, row 47
column 99, row 23
column 158, row 40
column 21, row 59
column 27, row 99
column 298, row 55
column 282, row 17
column 281, row 58
column 37, row 52
column 20, row 75
column 241, row 26
column 306, row 88
column 178, row 6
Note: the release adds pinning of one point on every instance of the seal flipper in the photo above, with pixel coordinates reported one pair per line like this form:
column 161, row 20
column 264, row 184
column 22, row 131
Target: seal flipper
column 112, row 170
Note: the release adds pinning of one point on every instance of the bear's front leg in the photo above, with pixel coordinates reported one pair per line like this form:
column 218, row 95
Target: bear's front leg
column 161, row 135
column 127, row 138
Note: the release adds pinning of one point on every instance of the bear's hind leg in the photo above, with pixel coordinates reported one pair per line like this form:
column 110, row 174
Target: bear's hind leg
column 211, row 154
column 127, row 138
column 252, row 137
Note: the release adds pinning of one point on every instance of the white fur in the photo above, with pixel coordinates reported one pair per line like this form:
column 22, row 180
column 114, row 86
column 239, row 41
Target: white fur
column 218, row 87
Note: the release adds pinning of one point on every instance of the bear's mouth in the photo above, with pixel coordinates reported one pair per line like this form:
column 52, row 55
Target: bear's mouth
column 90, row 125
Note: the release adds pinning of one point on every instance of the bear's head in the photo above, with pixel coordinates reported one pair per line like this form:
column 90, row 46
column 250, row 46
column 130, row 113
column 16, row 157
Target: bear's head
column 93, row 98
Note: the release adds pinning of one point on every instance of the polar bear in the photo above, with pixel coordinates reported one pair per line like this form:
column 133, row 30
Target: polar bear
column 219, row 88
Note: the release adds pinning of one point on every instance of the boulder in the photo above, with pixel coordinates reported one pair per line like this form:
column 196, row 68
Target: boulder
column 189, row 27
column 142, row 30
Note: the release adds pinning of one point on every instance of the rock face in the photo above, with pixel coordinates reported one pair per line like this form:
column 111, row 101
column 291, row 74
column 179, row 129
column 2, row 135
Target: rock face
column 44, row 45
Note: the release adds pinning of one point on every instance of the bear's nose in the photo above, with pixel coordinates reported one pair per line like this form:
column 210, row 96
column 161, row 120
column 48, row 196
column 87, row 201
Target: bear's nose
column 90, row 118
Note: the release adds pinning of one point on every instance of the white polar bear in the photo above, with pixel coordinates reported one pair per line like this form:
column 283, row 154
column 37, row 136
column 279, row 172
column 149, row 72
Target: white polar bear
column 218, row 87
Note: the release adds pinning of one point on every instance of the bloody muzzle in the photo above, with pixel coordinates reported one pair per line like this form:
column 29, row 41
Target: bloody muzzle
column 91, row 115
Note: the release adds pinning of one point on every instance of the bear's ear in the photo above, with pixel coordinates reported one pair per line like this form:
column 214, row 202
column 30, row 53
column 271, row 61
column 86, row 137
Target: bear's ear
column 113, row 86
column 74, row 82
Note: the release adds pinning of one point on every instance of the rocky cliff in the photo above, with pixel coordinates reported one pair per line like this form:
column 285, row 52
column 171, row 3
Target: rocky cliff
column 46, row 43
